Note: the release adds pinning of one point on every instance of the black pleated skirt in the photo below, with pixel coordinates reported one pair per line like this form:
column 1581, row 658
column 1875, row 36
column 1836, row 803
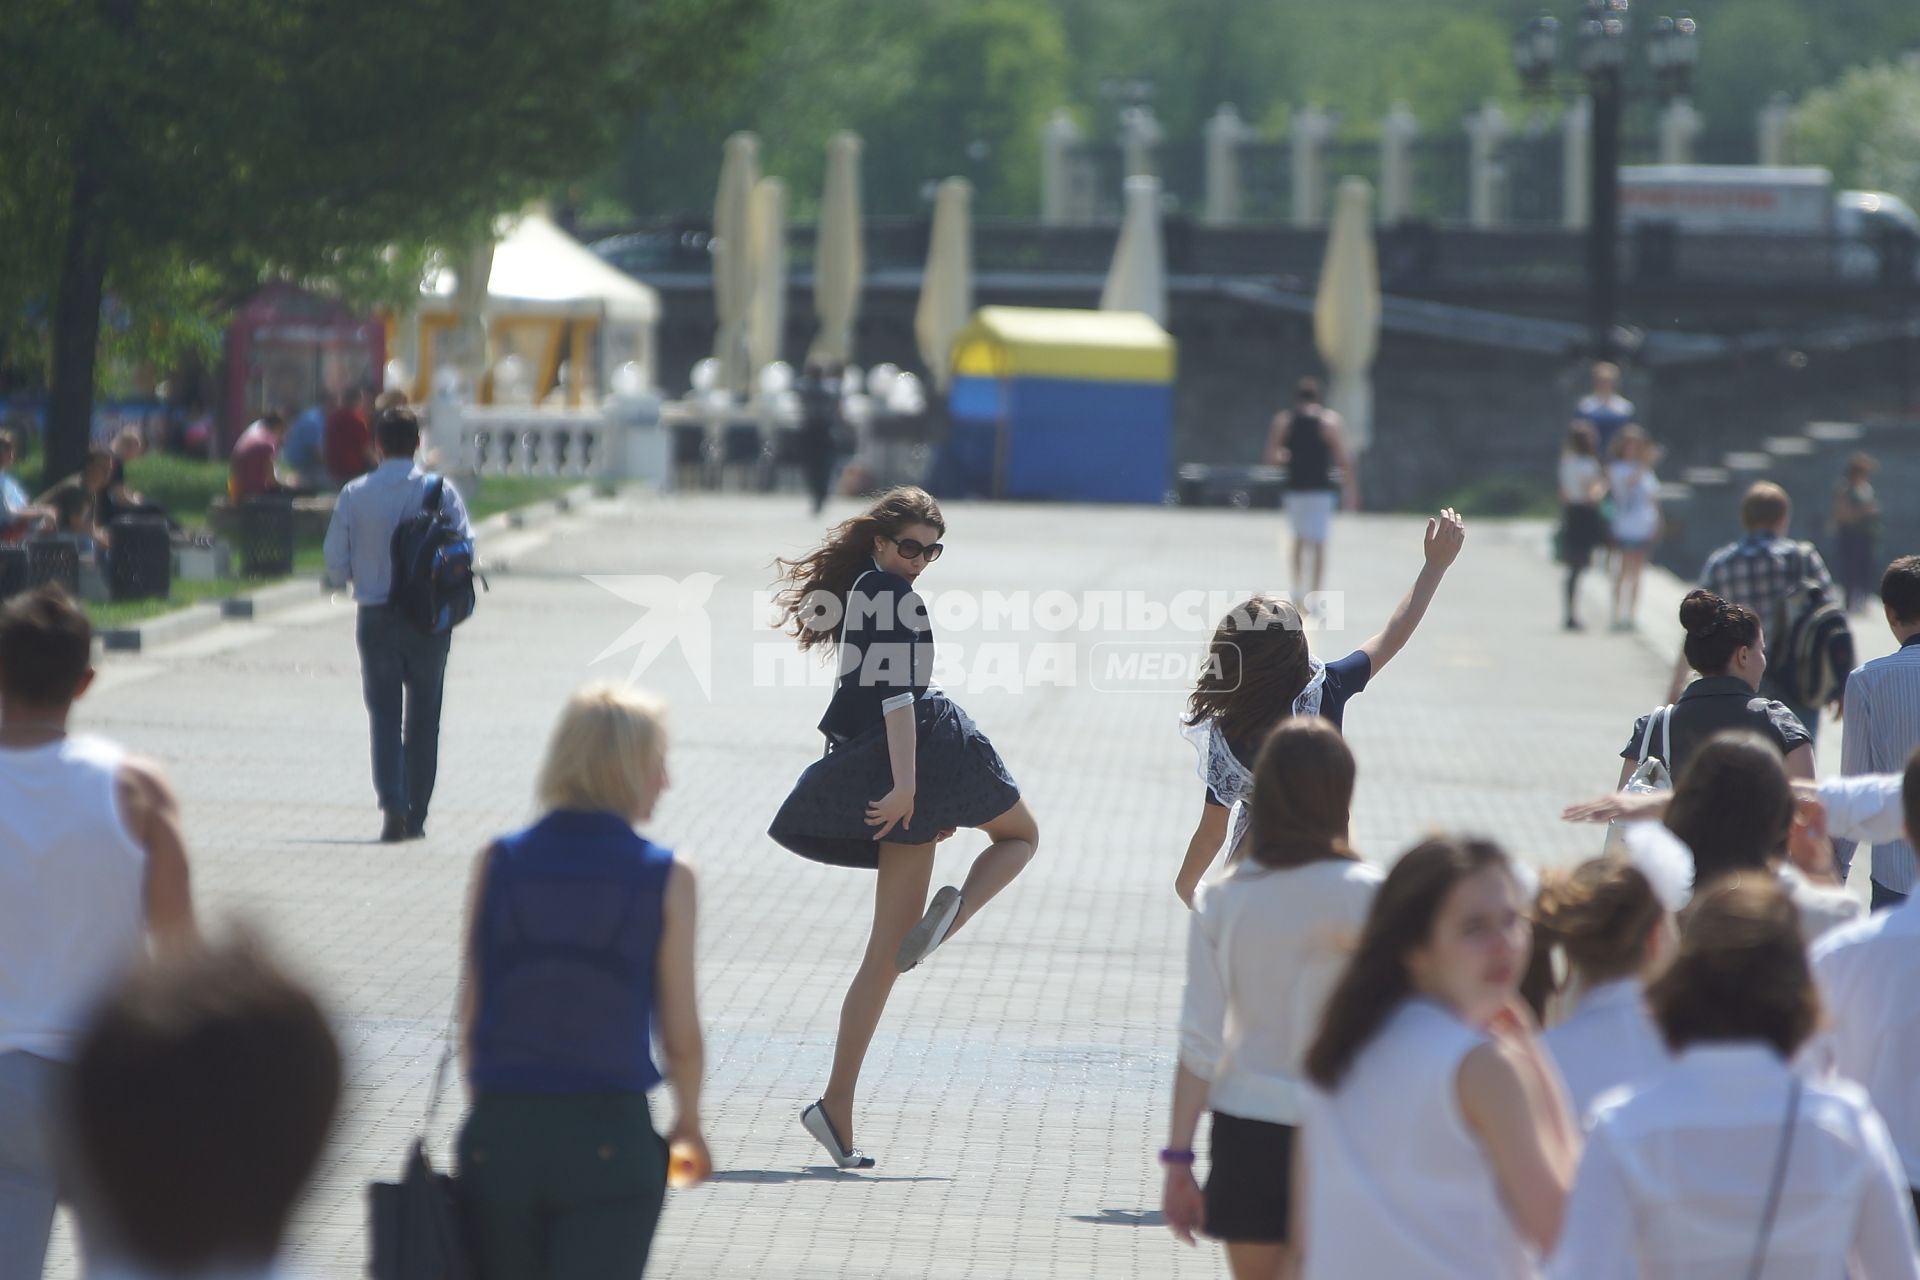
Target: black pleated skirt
column 960, row 782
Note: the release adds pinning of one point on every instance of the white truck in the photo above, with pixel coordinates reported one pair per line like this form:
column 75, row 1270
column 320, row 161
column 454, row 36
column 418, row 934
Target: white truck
column 1761, row 200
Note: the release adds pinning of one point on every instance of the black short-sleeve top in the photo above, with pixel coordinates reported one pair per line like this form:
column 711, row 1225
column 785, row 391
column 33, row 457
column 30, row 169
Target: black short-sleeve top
column 885, row 654
column 1345, row 677
column 1712, row 704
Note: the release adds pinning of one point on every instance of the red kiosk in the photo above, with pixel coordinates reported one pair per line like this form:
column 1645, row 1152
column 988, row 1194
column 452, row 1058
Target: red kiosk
column 287, row 347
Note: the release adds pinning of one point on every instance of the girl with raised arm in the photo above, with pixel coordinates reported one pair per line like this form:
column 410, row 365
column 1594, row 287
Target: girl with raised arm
column 1260, row 671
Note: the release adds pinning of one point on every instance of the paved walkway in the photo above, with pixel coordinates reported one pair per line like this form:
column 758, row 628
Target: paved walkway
column 1017, row 1089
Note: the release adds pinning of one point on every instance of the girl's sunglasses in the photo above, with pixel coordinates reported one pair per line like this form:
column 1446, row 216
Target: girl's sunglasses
column 913, row 550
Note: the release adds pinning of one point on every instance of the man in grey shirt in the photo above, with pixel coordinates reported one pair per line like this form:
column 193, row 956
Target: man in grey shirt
column 402, row 671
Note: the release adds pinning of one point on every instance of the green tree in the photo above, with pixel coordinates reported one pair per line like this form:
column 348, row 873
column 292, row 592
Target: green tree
column 1866, row 128
column 178, row 153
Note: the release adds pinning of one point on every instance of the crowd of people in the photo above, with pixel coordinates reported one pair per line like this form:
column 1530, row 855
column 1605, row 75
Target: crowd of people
column 1721, row 1088
column 1724, row 1083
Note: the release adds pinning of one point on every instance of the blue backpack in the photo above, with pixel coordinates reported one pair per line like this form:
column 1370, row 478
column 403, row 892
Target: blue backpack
column 433, row 567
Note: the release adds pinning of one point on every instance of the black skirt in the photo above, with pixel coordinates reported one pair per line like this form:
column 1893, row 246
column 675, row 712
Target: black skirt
column 960, row 781
column 1582, row 531
column 1249, row 1191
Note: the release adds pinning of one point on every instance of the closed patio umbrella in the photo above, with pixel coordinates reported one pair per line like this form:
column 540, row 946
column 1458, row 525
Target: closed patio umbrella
column 1137, row 281
column 768, row 324
column 839, row 255
column 732, row 249
column 946, row 291
column 1346, row 311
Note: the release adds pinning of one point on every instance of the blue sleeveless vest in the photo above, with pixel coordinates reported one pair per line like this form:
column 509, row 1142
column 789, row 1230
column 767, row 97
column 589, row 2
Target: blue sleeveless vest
column 565, row 945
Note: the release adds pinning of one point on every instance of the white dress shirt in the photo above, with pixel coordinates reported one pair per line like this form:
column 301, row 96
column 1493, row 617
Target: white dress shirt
column 359, row 547
column 1264, row 949
column 1867, row 973
column 1396, row 1183
column 1879, row 732
column 1865, row 807
column 1609, row 1040
column 1674, row 1179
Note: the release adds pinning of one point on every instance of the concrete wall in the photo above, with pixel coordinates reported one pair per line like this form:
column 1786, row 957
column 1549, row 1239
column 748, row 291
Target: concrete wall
column 1446, row 414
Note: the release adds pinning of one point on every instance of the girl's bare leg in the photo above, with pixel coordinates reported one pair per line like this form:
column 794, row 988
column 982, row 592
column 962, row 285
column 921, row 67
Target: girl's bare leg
column 899, row 896
column 1015, row 835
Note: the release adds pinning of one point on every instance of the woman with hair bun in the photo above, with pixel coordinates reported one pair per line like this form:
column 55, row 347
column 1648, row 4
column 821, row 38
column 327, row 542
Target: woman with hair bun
column 1725, row 645
column 1605, row 919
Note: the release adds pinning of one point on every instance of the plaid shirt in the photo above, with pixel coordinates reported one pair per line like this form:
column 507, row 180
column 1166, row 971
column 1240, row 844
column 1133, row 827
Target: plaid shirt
column 1760, row 569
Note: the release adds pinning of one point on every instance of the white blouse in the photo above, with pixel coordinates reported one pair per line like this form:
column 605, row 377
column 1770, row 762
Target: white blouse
column 1264, row 950
column 1674, row 1180
column 1396, row 1184
column 1579, row 474
column 1608, row 1041
column 1866, row 975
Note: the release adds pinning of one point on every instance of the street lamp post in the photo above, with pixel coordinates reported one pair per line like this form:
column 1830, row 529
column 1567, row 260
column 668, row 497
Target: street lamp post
column 1601, row 57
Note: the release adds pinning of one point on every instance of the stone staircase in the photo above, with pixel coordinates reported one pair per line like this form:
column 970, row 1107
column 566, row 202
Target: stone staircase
column 1702, row 507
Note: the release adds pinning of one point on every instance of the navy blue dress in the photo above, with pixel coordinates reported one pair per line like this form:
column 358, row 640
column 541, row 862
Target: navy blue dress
column 886, row 657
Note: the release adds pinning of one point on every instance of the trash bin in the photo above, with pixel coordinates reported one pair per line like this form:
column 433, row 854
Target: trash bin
column 54, row 559
column 266, row 537
column 141, row 565
column 13, row 571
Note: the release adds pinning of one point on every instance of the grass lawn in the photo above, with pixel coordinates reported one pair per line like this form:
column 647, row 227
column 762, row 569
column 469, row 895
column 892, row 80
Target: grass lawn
column 186, row 487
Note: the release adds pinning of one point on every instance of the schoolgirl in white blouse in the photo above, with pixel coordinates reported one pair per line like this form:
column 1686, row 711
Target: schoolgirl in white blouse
column 1266, row 944
column 1613, row 931
column 1726, row 1165
column 1437, row 1140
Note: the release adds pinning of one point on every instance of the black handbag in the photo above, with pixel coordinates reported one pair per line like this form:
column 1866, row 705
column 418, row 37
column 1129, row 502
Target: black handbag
column 416, row 1231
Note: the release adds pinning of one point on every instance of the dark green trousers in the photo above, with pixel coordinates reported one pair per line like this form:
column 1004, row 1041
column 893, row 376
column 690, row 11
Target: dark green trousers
column 561, row 1186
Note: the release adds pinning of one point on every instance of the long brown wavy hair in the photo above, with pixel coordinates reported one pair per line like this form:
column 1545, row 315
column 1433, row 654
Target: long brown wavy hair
column 1376, row 981
column 816, row 585
column 1302, row 794
column 1257, row 664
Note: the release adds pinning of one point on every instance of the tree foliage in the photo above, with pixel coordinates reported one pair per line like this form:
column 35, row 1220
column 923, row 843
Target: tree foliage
column 179, row 152
column 1866, row 128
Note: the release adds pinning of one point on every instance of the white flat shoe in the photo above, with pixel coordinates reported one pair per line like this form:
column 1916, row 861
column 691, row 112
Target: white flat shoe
column 923, row 938
column 814, row 1121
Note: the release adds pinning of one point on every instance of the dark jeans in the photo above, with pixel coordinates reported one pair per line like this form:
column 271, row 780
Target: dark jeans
column 401, row 673
column 561, row 1186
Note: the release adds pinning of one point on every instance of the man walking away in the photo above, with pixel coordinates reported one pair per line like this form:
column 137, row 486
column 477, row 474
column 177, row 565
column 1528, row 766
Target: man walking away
column 1760, row 571
column 1882, row 725
column 1306, row 441
column 91, row 865
column 201, row 1100
column 402, row 669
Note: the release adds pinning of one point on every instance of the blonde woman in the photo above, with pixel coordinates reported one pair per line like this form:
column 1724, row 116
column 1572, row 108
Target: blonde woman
column 580, row 943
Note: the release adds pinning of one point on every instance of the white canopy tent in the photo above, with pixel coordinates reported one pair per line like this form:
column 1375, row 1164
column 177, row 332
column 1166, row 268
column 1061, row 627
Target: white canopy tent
column 559, row 321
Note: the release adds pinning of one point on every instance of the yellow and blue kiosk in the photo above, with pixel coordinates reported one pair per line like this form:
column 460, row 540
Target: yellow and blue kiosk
column 1070, row 406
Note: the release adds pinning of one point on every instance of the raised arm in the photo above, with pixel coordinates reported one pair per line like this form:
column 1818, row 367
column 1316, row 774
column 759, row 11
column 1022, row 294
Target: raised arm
column 1444, row 537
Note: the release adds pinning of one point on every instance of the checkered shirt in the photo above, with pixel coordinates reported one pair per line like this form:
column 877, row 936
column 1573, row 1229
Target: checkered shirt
column 1760, row 569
